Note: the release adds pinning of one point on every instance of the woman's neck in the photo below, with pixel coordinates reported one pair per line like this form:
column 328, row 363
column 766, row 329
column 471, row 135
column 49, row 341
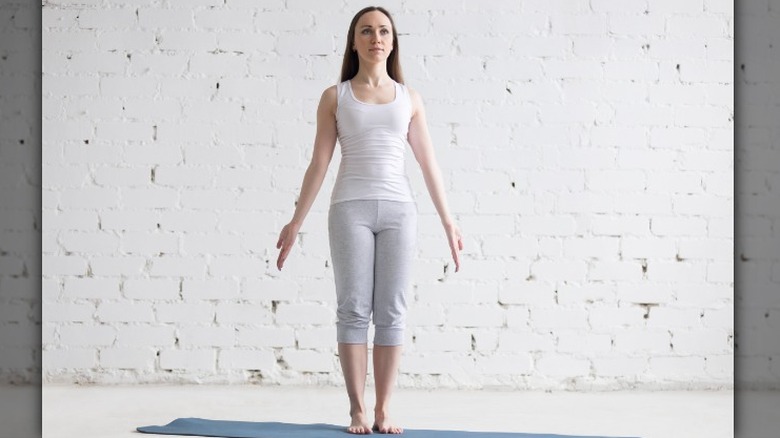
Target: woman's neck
column 373, row 75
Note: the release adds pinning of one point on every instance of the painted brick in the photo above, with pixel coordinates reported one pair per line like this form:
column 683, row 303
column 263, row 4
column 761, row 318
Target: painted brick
column 671, row 318
column 268, row 289
column 628, row 271
column 701, row 341
column 191, row 360
column 551, row 318
column 640, row 248
column 69, row 358
column 133, row 335
column 304, row 314
column 267, row 337
column 684, row 272
column 164, row 18
column 120, row 220
column 426, row 363
column 573, row 294
column 559, row 270
column 678, row 226
column 558, row 365
column 442, row 341
column 718, row 318
column 605, row 317
column 512, row 364
column 240, row 266
column 201, row 312
column 484, row 341
column 657, row 341
column 425, row 316
column 127, row 358
column 177, row 267
column 145, row 243
column 86, row 335
column 316, row 338
column 209, row 289
column 68, row 312
column 241, row 313
column 122, row 312
column 206, row 336
column 246, row 359
column 151, row 288
column 471, row 317
column 620, row 225
column 310, row 361
column 535, row 293
column 619, row 366
column 148, row 155
column 91, row 288
column 676, row 367
column 575, row 341
column 187, row 40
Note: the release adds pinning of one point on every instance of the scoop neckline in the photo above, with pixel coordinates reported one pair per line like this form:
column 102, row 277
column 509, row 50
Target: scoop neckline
column 352, row 93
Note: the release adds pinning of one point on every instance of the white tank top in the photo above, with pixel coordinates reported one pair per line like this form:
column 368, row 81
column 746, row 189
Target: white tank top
column 373, row 142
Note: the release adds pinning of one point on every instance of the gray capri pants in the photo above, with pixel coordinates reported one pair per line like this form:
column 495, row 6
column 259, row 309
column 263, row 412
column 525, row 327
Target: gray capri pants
column 372, row 243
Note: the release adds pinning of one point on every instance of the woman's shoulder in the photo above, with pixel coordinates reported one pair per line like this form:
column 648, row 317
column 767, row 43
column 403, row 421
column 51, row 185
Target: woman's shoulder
column 330, row 92
column 330, row 95
column 329, row 100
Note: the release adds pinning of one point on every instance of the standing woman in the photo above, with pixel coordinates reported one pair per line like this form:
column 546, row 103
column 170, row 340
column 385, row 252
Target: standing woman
column 372, row 221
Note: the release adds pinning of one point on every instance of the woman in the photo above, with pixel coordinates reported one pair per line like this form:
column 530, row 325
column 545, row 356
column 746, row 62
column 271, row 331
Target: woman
column 372, row 216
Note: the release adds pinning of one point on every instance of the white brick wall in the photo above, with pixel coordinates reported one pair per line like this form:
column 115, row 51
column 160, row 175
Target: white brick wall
column 583, row 145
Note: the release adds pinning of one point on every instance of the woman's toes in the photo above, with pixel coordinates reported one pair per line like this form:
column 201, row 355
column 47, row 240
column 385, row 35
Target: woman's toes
column 359, row 430
column 387, row 429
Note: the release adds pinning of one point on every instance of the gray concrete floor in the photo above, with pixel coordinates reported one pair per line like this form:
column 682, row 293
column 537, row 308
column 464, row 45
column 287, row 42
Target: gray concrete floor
column 115, row 411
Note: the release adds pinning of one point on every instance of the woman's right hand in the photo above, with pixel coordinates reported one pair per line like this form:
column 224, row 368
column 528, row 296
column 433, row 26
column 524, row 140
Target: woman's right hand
column 286, row 241
column 456, row 242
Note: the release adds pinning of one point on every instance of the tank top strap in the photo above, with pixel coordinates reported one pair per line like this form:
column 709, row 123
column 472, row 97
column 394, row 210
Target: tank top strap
column 402, row 87
column 341, row 90
column 405, row 92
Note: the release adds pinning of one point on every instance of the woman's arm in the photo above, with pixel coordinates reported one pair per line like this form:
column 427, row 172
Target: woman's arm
column 324, row 145
column 422, row 147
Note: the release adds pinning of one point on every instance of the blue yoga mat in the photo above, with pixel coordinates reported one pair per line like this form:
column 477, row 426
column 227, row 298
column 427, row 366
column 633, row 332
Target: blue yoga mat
column 250, row 429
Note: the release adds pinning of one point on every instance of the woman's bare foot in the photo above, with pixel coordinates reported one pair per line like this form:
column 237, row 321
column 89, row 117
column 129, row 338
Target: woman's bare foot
column 382, row 425
column 359, row 425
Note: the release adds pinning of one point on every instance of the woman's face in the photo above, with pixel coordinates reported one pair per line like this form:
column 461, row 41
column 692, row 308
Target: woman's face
column 373, row 37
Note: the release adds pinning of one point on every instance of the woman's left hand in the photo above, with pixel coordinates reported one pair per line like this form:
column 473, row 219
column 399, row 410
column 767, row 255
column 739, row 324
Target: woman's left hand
column 456, row 242
column 286, row 240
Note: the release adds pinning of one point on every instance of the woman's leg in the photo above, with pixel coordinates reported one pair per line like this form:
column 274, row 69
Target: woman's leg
column 395, row 245
column 352, row 252
column 354, row 365
column 386, row 362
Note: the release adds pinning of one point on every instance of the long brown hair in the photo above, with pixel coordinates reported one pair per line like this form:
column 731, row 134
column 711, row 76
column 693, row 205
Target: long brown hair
column 351, row 63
